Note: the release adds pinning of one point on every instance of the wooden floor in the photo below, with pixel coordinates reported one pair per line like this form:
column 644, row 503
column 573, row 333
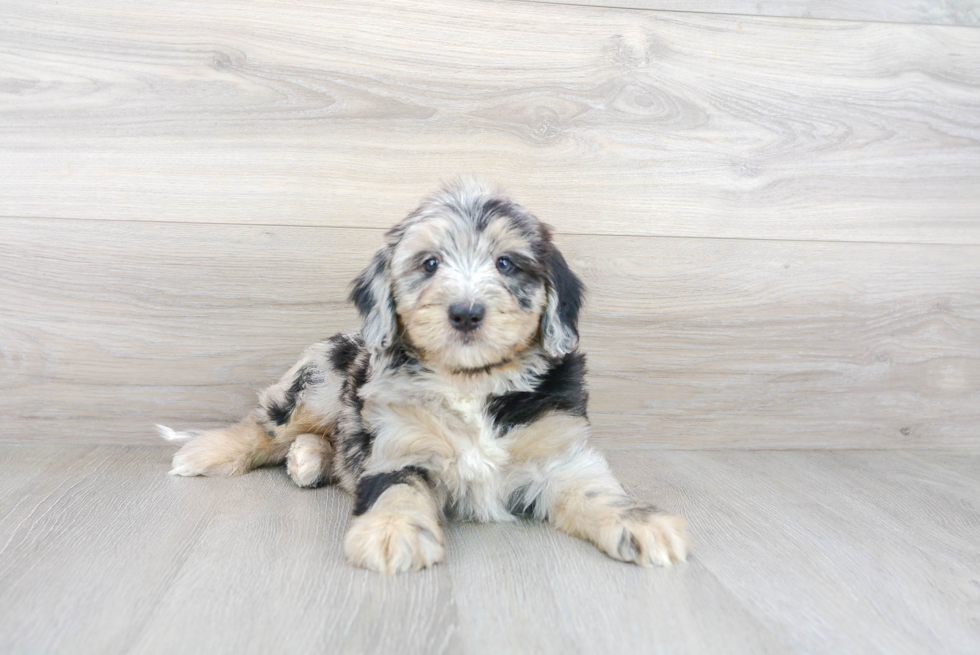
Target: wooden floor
column 796, row 552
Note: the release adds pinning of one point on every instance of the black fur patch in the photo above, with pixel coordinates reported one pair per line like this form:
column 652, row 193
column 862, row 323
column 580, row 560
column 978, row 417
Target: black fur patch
column 281, row 411
column 370, row 487
column 357, row 377
column 344, row 351
column 517, row 503
column 362, row 297
column 569, row 288
column 492, row 209
column 561, row 388
column 403, row 356
column 360, row 293
column 355, row 449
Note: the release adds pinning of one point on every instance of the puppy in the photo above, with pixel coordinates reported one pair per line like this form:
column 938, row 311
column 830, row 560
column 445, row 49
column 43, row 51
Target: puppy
column 462, row 397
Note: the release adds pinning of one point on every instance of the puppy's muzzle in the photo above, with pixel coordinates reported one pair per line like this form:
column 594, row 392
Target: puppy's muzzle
column 465, row 317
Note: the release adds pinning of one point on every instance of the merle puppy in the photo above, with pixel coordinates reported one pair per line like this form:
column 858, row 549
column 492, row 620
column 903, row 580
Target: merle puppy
column 461, row 397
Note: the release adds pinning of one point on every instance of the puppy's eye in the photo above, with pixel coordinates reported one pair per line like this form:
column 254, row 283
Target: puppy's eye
column 430, row 265
column 505, row 265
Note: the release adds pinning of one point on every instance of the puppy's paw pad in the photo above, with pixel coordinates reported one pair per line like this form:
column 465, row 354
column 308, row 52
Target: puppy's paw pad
column 308, row 462
column 389, row 542
column 650, row 538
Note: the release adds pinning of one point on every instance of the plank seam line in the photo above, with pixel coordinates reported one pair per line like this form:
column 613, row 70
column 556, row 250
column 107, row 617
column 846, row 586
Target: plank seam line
column 737, row 15
column 110, row 221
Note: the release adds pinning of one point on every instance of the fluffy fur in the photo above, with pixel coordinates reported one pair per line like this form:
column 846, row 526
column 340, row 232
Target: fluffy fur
column 463, row 396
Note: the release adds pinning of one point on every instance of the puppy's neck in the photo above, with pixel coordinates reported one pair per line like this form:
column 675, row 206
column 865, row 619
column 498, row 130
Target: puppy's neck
column 482, row 370
column 515, row 373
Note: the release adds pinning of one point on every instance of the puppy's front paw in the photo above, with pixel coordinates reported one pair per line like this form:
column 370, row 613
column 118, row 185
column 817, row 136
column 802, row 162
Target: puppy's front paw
column 393, row 542
column 648, row 537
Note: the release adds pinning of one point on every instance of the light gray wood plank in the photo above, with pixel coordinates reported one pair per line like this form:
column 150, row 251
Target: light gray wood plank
column 269, row 575
column 602, row 121
column 949, row 464
column 805, row 552
column 21, row 466
column 936, row 12
column 840, row 552
column 586, row 602
column 109, row 554
column 90, row 542
column 112, row 326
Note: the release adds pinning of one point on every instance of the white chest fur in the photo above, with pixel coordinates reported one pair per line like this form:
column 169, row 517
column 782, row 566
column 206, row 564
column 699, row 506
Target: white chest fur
column 476, row 475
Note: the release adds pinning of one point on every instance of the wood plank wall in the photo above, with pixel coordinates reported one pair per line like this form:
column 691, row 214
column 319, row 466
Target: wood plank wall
column 778, row 219
column 938, row 12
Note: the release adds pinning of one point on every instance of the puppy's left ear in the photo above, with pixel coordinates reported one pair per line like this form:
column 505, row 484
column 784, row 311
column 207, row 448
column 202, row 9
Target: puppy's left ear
column 371, row 294
column 559, row 325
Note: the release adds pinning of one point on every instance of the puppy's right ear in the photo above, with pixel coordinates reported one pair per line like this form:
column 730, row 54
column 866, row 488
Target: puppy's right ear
column 371, row 294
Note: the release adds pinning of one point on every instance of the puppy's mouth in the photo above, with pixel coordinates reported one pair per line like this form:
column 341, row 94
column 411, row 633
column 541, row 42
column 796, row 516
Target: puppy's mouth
column 468, row 338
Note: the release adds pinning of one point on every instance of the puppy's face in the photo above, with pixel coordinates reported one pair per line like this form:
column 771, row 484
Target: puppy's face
column 470, row 280
column 469, row 293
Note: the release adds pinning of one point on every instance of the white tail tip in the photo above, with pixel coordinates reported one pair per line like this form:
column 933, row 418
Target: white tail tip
column 172, row 435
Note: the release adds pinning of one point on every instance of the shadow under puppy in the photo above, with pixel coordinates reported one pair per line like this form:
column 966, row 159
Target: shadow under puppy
column 461, row 397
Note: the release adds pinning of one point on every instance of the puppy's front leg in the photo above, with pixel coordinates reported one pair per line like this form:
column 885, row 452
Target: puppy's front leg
column 396, row 522
column 588, row 502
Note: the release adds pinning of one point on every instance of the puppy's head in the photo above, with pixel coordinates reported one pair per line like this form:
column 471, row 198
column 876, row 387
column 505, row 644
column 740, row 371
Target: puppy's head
column 469, row 279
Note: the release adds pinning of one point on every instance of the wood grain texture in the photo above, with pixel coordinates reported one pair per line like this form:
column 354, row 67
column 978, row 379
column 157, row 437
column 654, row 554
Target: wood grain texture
column 102, row 552
column 110, row 326
column 936, row 12
column 828, row 549
column 602, row 121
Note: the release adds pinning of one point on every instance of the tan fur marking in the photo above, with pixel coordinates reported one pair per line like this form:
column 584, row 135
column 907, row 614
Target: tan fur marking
column 410, row 431
column 547, row 437
column 303, row 421
column 600, row 515
column 228, row 451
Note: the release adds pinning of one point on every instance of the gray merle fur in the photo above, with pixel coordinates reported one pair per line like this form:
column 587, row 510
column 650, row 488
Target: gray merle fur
column 357, row 446
column 280, row 412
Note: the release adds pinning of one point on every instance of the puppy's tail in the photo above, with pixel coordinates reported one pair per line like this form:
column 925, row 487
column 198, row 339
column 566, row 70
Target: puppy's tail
column 227, row 451
column 173, row 435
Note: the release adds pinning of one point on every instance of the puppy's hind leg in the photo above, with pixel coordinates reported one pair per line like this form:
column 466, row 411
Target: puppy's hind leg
column 302, row 403
column 310, row 460
column 227, row 451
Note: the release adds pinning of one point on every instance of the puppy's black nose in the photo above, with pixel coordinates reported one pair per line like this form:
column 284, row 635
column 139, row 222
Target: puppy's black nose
column 466, row 317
